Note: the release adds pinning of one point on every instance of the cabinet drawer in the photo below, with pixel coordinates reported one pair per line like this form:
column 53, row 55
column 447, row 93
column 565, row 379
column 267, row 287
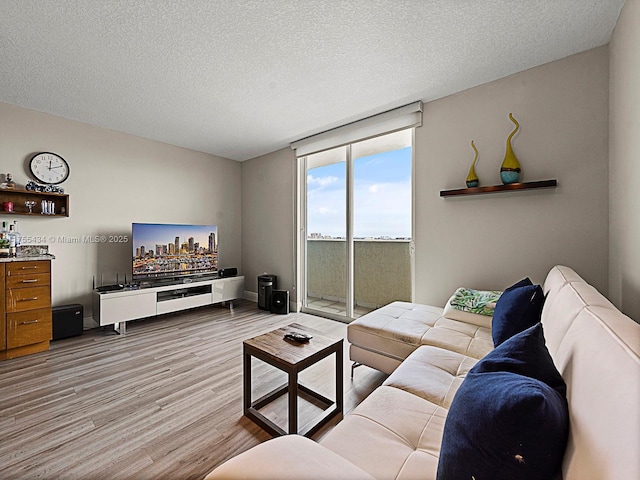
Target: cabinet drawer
column 28, row 280
column 27, row 328
column 32, row 298
column 26, row 268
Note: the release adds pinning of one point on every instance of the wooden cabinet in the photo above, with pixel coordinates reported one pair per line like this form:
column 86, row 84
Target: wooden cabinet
column 26, row 308
column 28, row 328
column 3, row 314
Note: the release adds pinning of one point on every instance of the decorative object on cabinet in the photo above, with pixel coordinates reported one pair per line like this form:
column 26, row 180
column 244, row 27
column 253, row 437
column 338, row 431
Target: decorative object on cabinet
column 34, row 187
column 35, row 250
column 49, row 168
column 472, row 178
column 500, row 188
column 20, row 197
column 8, row 183
column 510, row 169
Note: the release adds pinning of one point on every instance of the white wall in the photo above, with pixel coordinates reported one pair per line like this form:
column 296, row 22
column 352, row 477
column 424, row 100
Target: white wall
column 117, row 179
column 624, row 158
column 483, row 241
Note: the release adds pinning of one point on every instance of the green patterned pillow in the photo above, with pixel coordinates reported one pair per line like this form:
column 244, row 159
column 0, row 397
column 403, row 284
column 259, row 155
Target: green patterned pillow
column 481, row 302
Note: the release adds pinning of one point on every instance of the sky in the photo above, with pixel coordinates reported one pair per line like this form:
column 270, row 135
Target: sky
column 382, row 196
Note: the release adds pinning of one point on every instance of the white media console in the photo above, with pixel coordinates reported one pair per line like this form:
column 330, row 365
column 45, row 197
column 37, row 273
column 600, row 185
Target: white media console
column 119, row 306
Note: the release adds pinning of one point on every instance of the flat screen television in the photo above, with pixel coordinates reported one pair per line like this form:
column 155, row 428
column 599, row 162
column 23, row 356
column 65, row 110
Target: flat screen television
column 170, row 251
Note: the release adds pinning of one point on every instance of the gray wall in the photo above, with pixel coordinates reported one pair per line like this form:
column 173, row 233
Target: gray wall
column 493, row 240
column 624, row 158
column 117, row 179
column 481, row 241
column 267, row 219
column 624, row 167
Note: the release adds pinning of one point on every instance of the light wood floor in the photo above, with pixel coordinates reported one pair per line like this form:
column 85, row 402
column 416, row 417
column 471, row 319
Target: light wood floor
column 165, row 401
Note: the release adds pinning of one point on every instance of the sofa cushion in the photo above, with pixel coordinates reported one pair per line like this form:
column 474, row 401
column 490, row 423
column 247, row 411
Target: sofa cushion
column 505, row 421
column 432, row 373
column 459, row 337
column 597, row 350
column 517, row 309
column 290, row 457
column 391, row 434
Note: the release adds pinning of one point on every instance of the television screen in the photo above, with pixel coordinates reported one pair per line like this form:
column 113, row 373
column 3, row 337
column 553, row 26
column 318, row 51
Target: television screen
column 165, row 250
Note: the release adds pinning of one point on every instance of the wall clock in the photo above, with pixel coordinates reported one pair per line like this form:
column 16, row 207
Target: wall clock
column 49, row 168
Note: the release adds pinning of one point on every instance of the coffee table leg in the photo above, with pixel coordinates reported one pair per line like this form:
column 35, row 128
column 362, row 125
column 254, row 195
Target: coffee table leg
column 339, row 379
column 246, row 375
column 293, row 402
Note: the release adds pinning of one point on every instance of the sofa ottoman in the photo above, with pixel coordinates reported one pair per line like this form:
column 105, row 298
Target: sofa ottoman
column 383, row 338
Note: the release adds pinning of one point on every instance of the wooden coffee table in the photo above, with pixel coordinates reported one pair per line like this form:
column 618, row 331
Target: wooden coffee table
column 291, row 358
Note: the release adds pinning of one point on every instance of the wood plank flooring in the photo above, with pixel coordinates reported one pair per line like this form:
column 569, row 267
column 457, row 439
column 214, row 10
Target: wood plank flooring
column 164, row 401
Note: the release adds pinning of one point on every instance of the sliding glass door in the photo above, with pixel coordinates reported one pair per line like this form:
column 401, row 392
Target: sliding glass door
column 358, row 226
column 326, row 240
column 382, row 220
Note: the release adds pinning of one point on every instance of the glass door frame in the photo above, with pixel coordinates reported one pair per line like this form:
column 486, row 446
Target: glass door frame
column 301, row 217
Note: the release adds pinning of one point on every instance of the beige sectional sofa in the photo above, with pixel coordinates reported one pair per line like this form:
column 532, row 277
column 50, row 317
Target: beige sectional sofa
column 396, row 432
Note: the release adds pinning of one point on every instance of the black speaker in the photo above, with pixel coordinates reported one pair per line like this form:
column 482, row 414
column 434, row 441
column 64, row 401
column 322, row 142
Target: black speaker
column 280, row 302
column 67, row 321
column 266, row 285
column 227, row 272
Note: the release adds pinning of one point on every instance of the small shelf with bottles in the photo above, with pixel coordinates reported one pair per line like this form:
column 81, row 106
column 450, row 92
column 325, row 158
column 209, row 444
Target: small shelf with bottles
column 19, row 198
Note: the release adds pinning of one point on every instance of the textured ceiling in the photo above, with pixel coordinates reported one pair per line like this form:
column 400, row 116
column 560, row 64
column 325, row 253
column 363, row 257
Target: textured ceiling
column 243, row 78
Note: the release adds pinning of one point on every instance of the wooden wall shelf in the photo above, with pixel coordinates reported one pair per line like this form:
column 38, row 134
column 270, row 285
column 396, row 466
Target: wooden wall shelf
column 499, row 188
column 18, row 197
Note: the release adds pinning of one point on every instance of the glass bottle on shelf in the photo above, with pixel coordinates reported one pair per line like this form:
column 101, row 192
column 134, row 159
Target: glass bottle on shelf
column 12, row 241
column 18, row 237
column 4, row 245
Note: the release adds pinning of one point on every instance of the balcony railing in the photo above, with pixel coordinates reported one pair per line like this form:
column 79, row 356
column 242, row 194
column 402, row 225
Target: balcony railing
column 382, row 273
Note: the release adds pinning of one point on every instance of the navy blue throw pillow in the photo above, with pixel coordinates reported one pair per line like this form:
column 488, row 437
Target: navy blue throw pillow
column 518, row 308
column 526, row 354
column 505, row 421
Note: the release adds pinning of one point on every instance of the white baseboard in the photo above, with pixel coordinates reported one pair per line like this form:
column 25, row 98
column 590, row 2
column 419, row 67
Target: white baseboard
column 88, row 323
column 251, row 296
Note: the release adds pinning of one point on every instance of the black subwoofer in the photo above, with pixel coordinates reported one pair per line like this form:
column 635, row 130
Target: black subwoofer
column 67, row 321
column 280, row 302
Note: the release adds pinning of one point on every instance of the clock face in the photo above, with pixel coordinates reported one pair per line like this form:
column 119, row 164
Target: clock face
column 49, row 168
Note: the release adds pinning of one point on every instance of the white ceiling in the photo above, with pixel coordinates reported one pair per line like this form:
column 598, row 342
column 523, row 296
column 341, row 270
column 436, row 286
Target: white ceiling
column 243, row 78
